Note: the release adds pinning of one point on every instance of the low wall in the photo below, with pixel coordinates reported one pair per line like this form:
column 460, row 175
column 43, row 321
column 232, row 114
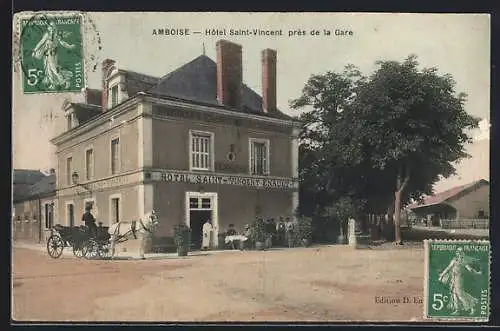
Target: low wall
column 465, row 224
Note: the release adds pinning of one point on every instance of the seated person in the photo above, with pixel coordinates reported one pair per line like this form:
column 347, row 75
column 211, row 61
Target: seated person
column 231, row 231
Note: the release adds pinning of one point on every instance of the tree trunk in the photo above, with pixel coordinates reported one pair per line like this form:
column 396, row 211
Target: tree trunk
column 397, row 217
column 400, row 186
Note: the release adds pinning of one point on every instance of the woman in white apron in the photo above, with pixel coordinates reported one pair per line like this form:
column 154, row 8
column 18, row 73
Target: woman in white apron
column 207, row 235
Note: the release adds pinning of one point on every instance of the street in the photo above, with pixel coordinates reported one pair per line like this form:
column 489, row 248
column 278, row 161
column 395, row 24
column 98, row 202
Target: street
column 327, row 283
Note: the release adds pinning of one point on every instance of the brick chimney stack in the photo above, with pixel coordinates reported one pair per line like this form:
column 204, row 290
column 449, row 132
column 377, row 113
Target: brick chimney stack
column 268, row 80
column 105, row 66
column 229, row 73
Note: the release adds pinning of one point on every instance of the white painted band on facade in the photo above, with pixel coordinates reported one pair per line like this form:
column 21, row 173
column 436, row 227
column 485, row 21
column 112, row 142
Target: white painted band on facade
column 278, row 183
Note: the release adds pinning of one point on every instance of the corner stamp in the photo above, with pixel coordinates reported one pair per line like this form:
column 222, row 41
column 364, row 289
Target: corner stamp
column 52, row 53
column 457, row 280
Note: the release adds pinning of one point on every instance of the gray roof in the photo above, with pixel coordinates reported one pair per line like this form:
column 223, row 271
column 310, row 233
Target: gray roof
column 137, row 82
column 196, row 81
column 85, row 112
column 23, row 179
column 26, row 176
column 45, row 186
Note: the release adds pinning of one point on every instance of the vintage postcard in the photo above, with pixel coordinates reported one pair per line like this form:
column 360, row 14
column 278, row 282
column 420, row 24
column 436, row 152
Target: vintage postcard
column 250, row 167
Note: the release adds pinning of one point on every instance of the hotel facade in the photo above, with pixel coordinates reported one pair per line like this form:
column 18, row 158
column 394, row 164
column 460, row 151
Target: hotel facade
column 194, row 144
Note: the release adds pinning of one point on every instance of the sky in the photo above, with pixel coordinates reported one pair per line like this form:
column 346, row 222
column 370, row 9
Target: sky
column 458, row 44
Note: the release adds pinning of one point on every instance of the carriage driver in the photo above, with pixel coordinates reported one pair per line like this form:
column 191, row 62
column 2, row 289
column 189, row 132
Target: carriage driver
column 89, row 220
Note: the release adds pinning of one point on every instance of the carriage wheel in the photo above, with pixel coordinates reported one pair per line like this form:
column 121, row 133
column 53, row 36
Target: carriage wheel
column 55, row 246
column 79, row 249
column 104, row 250
column 90, row 249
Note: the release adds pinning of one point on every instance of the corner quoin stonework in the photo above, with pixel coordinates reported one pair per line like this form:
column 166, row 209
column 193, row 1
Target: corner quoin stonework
column 457, row 280
column 52, row 53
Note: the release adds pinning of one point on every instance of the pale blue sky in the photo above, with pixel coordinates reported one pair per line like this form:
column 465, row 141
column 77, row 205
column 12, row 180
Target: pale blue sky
column 455, row 44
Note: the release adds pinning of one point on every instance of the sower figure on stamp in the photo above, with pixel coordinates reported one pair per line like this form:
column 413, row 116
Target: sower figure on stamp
column 89, row 221
column 452, row 275
column 47, row 49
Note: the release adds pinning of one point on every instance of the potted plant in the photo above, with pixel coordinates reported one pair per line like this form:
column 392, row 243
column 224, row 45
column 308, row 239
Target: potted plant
column 182, row 238
column 259, row 233
column 305, row 230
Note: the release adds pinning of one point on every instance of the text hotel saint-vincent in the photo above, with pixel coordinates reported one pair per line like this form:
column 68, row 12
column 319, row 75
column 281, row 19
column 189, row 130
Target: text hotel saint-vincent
column 257, row 32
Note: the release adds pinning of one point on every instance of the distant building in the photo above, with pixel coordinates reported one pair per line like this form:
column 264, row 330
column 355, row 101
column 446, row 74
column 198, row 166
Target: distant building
column 33, row 205
column 466, row 202
column 193, row 144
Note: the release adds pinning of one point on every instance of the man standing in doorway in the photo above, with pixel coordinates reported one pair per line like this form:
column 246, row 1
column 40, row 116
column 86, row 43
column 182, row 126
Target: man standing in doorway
column 207, row 235
column 89, row 221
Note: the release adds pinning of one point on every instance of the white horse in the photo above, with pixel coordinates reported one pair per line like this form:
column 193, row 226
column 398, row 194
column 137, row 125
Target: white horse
column 128, row 230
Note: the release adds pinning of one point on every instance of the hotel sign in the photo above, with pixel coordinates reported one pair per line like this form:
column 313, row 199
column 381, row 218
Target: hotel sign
column 223, row 179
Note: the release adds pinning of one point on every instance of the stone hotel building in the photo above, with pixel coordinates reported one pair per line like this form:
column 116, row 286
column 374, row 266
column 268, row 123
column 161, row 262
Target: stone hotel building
column 193, row 144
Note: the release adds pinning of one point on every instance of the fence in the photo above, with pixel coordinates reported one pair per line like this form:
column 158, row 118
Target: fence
column 463, row 223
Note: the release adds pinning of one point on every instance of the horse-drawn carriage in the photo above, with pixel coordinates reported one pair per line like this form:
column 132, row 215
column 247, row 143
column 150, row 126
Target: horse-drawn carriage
column 83, row 243
column 102, row 243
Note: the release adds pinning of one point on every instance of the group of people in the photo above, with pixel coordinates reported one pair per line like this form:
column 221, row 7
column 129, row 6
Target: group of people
column 281, row 232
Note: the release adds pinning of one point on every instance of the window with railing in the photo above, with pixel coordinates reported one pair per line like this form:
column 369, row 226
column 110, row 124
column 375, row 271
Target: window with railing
column 259, row 156
column 201, row 151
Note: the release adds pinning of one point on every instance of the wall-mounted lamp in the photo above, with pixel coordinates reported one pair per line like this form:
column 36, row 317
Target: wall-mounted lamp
column 75, row 178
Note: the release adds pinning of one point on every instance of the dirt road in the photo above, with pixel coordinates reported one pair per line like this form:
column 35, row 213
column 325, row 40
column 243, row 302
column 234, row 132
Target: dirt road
column 329, row 283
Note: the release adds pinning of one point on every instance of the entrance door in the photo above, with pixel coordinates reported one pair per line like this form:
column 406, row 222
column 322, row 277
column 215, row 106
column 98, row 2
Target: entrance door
column 197, row 219
column 201, row 207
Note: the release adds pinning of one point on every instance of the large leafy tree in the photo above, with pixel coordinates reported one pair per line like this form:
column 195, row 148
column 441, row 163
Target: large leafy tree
column 385, row 138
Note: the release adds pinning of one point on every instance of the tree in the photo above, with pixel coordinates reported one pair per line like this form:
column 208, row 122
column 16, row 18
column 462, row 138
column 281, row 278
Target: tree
column 415, row 127
column 389, row 136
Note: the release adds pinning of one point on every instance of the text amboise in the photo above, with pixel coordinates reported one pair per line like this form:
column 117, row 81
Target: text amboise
column 228, row 180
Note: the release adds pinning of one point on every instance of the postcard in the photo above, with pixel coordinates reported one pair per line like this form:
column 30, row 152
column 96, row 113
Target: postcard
column 250, row 167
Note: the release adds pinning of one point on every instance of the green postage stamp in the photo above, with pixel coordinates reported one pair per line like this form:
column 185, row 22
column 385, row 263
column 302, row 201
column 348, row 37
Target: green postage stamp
column 52, row 53
column 457, row 280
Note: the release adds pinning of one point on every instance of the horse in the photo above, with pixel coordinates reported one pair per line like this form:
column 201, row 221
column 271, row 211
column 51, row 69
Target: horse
column 127, row 230
column 291, row 228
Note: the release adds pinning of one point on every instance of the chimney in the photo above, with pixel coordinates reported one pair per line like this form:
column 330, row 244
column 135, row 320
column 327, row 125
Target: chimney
column 229, row 73
column 268, row 80
column 105, row 66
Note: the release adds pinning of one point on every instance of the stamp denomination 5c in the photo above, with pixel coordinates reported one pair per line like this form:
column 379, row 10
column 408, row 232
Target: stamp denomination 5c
column 52, row 53
column 457, row 280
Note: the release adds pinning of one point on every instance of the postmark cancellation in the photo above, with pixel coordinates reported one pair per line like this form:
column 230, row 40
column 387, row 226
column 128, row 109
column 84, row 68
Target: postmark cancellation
column 457, row 280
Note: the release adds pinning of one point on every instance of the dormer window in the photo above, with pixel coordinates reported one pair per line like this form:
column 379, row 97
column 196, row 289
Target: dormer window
column 114, row 95
column 70, row 121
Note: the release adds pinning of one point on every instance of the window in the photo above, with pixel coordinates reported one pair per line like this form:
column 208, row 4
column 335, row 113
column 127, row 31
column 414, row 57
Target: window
column 193, row 203
column 71, row 214
column 49, row 215
column 89, row 164
column 481, row 214
column 115, row 210
column 115, row 155
column 69, row 119
column 200, row 203
column 69, row 169
column 114, row 95
column 205, row 203
column 259, row 156
column 201, row 151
